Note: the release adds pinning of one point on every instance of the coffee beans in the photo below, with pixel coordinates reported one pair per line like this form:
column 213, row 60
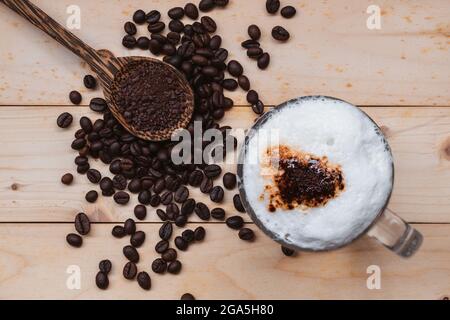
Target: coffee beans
column 129, row 226
column 174, row 267
column 244, row 82
column 209, row 24
column 206, row 5
column 143, row 43
column 212, row 171
column 172, row 211
column 131, row 254
column 91, row 196
column 156, row 27
column 137, row 239
column 75, row 97
column 98, row 105
column 238, row 203
column 101, row 280
column 105, row 266
column 246, row 234
column 162, row 246
column 264, row 61
column 229, row 180
column 202, row 211
column 258, row 108
column 191, row 11
column 153, row 16
column 279, row 33
column 188, row 235
column 89, row 82
column 67, row 179
column 187, row 296
column 140, row 212
column 74, row 240
column 218, row 213
column 93, row 175
column 159, row 266
column 195, row 178
column 130, row 28
column 254, row 32
column 199, row 233
column 181, row 194
column 129, row 41
column 64, row 120
column 129, row 271
column 144, row 280
column 121, row 197
column 181, row 244
column 206, row 185
column 169, row 255
column 82, row 224
column 287, row 251
column 118, row 232
column 165, row 232
column 139, row 17
column 229, row 84
column 288, row 12
column 216, row 194
column 272, row 6
column 235, row 222
column 252, row 97
column 188, row 207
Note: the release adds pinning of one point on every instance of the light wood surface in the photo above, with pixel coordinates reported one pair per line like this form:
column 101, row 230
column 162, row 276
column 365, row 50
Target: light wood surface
column 223, row 267
column 400, row 73
column 331, row 51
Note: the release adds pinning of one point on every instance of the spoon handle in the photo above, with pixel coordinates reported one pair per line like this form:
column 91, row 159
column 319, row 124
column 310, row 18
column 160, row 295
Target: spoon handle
column 103, row 67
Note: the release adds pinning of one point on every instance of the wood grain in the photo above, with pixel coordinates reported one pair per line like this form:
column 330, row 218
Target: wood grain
column 331, row 50
column 37, row 269
column 34, row 153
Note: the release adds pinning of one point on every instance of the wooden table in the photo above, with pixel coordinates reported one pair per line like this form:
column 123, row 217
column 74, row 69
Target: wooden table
column 399, row 74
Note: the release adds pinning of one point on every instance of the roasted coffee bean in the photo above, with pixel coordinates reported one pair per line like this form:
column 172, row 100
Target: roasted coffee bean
column 169, row 255
column 130, row 28
column 188, row 207
column 173, row 37
column 153, row 16
column 230, row 84
column 264, row 61
column 146, row 182
column 187, row 297
column 155, row 200
column 199, row 233
column 93, row 175
column 252, row 97
column 244, row 82
column 140, row 212
column 74, row 240
column 159, row 186
column 101, row 280
column 165, row 232
column 98, row 105
column 131, row 254
column 215, row 42
column 91, row 196
column 246, row 234
column 160, row 38
column 143, row 43
column 106, row 184
column 121, row 197
column 279, row 33
column 229, row 180
column 181, row 244
column 175, row 60
column 137, row 239
column 144, row 280
column 81, row 160
column 288, row 12
column 254, row 32
column 200, row 60
column 206, row 5
column 272, row 6
column 64, row 120
column 221, row 3
column 129, row 271
column 181, row 194
column 174, row 267
column 156, row 27
column 221, row 54
column 82, row 224
column 129, row 226
column 86, row 124
column 212, row 171
column 83, row 169
column 162, row 246
column 176, row 13
column 176, row 26
column 191, row 11
column 209, row 24
column 118, row 232
column 144, row 197
column 67, row 179
column 119, row 182
column 89, row 81
column 129, row 42
column 75, row 97
column 258, row 108
column 139, row 17
column 172, row 182
column 161, row 215
column 195, row 178
column 188, row 235
column 287, row 251
column 202, row 211
column 167, row 198
column 254, row 53
column 172, row 211
column 216, row 194
column 105, row 266
column 235, row 222
column 181, row 220
column 159, row 265
column 155, row 46
column 238, row 203
column 206, row 185
column 218, row 213
column 247, row 44
column 168, row 49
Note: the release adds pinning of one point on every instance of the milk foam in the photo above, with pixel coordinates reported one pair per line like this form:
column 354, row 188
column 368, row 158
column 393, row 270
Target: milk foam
column 345, row 135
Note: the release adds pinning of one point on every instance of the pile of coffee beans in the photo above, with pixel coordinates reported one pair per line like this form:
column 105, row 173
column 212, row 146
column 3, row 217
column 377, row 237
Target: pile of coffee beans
column 145, row 168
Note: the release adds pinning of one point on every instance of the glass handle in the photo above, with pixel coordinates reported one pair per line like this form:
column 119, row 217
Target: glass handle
column 396, row 234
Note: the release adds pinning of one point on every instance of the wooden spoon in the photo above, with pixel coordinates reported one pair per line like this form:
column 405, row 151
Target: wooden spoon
column 106, row 66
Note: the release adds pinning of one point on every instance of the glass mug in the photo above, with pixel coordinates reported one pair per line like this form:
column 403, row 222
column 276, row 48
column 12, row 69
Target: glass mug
column 388, row 228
